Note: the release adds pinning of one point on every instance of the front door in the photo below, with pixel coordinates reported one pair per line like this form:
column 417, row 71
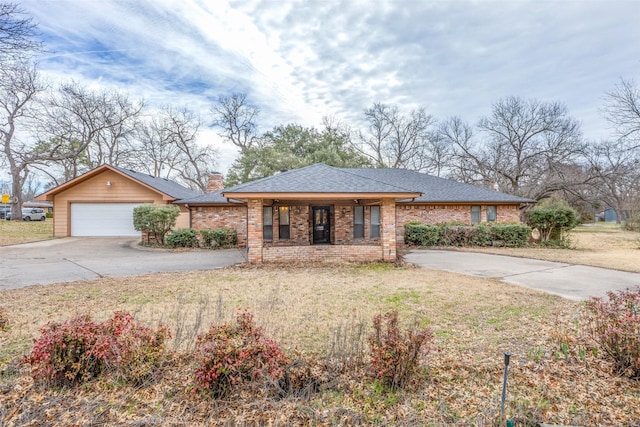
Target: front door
column 321, row 224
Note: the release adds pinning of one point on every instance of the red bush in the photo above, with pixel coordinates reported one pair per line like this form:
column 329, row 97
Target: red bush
column 615, row 326
column 395, row 356
column 80, row 349
column 230, row 354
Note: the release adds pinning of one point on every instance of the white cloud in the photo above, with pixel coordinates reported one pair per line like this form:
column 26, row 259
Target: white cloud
column 301, row 60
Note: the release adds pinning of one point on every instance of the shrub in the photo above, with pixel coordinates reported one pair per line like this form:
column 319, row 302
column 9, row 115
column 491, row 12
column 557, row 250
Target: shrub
column 184, row 238
column 615, row 326
column 221, row 237
column 632, row 223
column 481, row 235
column 420, row 234
column 510, row 235
column 395, row 356
column 80, row 349
column 553, row 220
column 229, row 354
column 67, row 353
column 136, row 350
column 155, row 220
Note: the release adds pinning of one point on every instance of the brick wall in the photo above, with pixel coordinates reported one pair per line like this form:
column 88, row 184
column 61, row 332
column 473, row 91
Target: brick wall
column 389, row 233
column 435, row 214
column 322, row 253
column 254, row 230
column 212, row 217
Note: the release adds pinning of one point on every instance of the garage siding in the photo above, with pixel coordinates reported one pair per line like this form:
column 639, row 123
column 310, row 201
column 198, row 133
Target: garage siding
column 103, row 219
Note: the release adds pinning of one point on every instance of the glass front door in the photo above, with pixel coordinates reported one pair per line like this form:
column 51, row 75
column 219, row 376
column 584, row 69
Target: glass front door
column 321, row 224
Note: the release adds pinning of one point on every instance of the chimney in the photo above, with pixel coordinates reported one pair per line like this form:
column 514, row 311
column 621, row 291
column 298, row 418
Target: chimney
column 216, row 182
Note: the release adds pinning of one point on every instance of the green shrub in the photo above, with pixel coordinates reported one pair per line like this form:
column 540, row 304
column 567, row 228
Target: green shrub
column 228, row 355
column 481, row 235
column 155, row 220
column 395, row 355
column 510, row 235
column 420, row 234
column 553, row 220
column 77, row 350
column 221, row 237
column 49, row 214
column 183, row 238
column 615, row 326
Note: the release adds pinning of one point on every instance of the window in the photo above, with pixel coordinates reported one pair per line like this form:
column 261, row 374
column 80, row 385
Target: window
column 358, row 222
column 491, row 213
column 283, row 217
column 267, row 223
column 475, row 214
column 375, row 222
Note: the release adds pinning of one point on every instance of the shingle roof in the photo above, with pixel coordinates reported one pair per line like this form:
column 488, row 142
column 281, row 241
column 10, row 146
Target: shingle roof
column 163, row 185
column 214, row 198
column 320, row 178
column 435, row 189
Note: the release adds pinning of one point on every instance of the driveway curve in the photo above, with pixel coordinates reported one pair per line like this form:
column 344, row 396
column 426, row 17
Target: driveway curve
column 575, row 282
column 74, row 258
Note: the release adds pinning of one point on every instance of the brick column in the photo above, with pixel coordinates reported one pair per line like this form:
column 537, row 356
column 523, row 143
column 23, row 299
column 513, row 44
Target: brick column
column 254, row 230
column 388, row 230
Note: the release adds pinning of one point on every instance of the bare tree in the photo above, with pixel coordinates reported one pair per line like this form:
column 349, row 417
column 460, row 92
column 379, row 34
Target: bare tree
column 19, row 86
column 622, row 110
column 615, row 168
column 394, row 140
column 87, row 127
column 17, row 33
column 168, row 148
column 237, row 120
column 526, row 147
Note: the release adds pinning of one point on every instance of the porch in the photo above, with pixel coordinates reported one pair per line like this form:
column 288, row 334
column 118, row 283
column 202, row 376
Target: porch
column 321, row 230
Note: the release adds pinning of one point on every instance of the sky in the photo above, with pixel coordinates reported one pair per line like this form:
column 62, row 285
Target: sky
column 301, row 60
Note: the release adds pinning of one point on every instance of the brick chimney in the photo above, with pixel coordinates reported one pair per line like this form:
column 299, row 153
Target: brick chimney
column 216, row 182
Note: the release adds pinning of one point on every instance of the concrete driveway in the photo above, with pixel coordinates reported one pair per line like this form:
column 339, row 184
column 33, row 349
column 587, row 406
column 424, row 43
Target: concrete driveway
column 75, row 258
column 576, row 282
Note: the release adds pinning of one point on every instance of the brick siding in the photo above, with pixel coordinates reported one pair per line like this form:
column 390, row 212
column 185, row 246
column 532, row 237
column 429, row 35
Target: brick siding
column 213, row 217
column 322, row 253
column 435, row 214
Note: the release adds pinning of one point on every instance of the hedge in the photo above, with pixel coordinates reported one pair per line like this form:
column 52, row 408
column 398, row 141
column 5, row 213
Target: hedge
column 448, row 234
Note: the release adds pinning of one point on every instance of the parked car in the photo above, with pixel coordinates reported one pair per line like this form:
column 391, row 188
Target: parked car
column 30, row 214
column 4, row 209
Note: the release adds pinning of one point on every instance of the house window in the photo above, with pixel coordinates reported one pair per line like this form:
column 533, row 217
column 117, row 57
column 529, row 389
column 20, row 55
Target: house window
column 475, row 214
column 375, row 222
column 267, row 223
column 358, row 222
column 283, row 216
column 491, row 213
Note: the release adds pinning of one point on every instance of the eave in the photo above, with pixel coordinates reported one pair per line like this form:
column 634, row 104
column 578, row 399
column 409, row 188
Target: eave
column 319, row 196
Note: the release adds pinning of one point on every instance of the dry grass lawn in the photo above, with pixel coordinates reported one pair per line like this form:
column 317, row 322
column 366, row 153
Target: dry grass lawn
column 321, row 314
column 15, row 232
column 598, row 245
column 310, row 311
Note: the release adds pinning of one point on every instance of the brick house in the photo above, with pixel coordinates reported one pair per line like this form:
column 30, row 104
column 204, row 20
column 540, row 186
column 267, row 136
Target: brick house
column 325, row 213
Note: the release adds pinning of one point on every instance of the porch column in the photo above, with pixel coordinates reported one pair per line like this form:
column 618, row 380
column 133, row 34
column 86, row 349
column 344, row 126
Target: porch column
column 388, row 230
column 254, row 230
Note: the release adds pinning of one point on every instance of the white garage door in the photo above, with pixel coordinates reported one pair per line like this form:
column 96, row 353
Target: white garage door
column 103, row 219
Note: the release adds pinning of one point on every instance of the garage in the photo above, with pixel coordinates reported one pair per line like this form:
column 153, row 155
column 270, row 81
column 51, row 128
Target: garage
column 103, row 219
column 101, row 201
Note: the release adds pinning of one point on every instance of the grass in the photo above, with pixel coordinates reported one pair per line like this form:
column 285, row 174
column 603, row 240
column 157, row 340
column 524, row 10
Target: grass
column 315, row 312
column 15, row 232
